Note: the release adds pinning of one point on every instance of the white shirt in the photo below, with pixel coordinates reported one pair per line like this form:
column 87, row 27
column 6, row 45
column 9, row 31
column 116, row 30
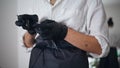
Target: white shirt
column 86, row 16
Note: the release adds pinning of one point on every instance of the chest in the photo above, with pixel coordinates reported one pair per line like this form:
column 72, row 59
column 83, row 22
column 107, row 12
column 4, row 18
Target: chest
column 69, row 12
column 52, row 2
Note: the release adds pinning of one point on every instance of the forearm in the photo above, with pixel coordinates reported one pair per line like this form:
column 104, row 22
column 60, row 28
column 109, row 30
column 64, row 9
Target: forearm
column 28, row 40
column 84, row 42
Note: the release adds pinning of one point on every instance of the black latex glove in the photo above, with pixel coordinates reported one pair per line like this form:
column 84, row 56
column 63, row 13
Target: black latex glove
column 27, row 22
column 51, row 30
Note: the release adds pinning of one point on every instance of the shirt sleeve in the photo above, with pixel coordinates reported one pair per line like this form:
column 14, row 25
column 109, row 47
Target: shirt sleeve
column 97, row 26
column 28, row 50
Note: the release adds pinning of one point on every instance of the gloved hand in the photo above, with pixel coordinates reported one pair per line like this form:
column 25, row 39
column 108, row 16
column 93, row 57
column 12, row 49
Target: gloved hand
column 27, row 22
column 51, row 30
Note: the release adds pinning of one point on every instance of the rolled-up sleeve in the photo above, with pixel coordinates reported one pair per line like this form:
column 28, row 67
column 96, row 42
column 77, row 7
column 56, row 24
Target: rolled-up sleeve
column 97, row 26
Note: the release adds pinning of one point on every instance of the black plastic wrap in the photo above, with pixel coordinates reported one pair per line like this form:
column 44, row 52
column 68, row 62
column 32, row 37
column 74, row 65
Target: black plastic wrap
column 57, row 54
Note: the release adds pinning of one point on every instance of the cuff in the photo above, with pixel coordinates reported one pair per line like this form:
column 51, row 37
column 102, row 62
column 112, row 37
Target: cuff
column 28, row 50
column 105, row 48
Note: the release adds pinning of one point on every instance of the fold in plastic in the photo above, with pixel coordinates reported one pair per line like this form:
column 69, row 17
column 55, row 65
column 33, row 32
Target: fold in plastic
column 57, row 54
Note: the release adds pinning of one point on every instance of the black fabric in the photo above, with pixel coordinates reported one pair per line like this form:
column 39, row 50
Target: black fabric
column 51, row 30
column 27, row 22
column 57, row 54
column 111, row 61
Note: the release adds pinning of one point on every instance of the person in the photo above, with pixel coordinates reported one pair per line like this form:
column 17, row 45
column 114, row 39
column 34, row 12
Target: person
column 74, row 27
column 111, row 61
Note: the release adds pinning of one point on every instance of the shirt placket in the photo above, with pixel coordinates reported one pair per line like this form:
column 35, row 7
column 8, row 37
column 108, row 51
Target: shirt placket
column 52, row 9
column 51, row 13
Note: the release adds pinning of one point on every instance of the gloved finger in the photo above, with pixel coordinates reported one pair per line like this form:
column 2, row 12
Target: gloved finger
column 19, row 23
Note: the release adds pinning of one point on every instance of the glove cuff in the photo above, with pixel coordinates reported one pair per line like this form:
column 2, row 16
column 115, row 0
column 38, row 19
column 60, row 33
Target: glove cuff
column 32, row 32
column 62, row 33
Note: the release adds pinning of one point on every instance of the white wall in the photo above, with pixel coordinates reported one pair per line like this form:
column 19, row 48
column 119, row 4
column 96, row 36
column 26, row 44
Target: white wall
column 114, row 12
column 111, row 2
column 23, row 55
column 8, row 34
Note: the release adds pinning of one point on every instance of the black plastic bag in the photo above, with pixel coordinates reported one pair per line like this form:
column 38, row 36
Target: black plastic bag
column 57, row 54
